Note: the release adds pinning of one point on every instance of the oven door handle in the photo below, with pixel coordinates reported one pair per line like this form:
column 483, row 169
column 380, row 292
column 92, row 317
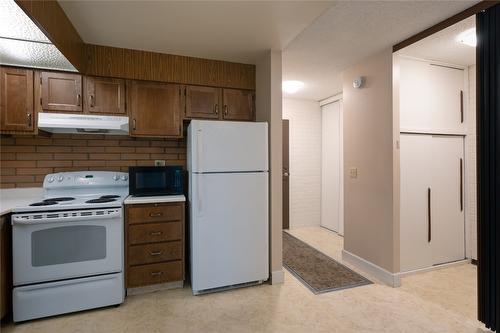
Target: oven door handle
column 63, row 217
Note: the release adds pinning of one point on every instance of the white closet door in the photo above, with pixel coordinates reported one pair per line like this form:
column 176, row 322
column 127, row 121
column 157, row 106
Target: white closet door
column 416, row 177
column 331, row 168
column 430, row 97
column 448, row 234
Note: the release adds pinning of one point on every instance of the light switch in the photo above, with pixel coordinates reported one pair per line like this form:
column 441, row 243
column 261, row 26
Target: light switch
column 353, row 172
column 159, row 162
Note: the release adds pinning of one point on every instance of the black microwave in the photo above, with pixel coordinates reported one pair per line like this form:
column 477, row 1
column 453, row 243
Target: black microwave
column 161, row 180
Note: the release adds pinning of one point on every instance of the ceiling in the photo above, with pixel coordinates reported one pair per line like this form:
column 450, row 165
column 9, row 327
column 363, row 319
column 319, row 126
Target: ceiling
column 352, row 30
column 443, row 46
column 238, row 31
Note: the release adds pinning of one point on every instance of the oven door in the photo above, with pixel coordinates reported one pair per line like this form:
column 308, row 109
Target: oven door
column 62, row 245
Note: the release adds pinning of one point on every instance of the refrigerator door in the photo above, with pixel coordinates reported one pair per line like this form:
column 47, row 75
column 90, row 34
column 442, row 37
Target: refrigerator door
column 227, row 146
column 229, row 229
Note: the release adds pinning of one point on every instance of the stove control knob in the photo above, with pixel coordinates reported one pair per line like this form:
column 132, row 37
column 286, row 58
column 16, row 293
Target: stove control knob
column 116, row 177
column 60, row 178
column 124, row 177
column 51, row 179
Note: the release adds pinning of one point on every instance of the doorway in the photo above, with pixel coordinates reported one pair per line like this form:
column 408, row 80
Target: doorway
column 332, row 203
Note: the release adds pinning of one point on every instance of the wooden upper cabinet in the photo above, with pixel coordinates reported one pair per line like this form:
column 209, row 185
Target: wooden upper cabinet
column 61, row 92
column 104, row 96
column 203, row 102
column 155, row 109
column 238, row 104
column 16, row 100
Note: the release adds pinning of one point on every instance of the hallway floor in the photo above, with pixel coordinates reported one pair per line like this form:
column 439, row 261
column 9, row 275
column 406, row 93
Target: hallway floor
column 440, row 301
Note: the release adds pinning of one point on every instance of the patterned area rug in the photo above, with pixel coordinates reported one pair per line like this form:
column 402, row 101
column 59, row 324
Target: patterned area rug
column 317, row 271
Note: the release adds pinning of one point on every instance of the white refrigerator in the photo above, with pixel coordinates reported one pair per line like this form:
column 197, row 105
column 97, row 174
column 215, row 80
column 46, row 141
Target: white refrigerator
column 228, row 202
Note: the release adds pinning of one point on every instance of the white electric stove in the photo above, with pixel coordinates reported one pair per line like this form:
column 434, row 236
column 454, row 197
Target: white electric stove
column 68, row 247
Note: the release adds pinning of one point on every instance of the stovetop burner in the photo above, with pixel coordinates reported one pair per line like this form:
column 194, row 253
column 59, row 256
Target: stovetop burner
column 60, row 199
column 44, row 203
column 109, row 196
column 100, row 200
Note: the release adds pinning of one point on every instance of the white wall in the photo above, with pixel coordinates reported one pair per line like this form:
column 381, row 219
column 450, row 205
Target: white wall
column 471, row 217
column 305, row 161
column 269, row 108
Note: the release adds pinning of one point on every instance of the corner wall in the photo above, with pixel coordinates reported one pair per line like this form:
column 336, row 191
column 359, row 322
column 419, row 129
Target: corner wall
column 369, row 141
column 305, row 161
column 269, row 108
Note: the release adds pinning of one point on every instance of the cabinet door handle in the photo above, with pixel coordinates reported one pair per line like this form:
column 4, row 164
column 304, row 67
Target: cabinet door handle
column 78, row 99
column 226, row 110
column 92, row 101
column 429, row 215
column 159, row 273
column 157, row 253
column 28, row 115
column 134, row 124
column 155, row 233
column 155, row 214
column 461, row 106
column 216, row 109
column 461, row 185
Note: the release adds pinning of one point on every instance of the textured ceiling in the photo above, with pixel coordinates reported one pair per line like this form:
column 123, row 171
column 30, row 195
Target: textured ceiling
column 238, row 31
column 350, row 31
column 444, row 47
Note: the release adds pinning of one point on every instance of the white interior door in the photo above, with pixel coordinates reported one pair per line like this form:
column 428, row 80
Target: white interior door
column 332, row 207
column 448, row 220
column 416, row 176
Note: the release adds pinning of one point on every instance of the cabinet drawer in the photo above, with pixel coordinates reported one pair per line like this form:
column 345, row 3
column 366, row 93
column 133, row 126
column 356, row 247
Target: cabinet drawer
column 155, row 273
column 154, row 213
column 154, row 232
column 150, row 253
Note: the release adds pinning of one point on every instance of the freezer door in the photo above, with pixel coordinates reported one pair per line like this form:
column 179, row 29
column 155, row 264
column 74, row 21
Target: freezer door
column 229, row 229
column 227, row 146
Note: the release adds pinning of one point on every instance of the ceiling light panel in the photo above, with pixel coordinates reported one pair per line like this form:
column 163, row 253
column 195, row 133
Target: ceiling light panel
column 14, row 23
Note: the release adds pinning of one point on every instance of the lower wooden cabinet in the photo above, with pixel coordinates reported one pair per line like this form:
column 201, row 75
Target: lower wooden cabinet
column 5, row 266
column 155, row 243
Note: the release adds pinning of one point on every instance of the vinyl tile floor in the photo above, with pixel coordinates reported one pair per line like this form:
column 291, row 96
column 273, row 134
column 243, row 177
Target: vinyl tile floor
column 439, row 301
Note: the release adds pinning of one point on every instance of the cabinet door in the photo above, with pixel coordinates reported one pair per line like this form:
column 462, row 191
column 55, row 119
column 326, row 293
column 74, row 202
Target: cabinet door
column 155, row 109
column 238, row 104
column 16, row 100
column 104, row 95
column 203, row 102
column 416, row 175
column 61, row 92
column 431, row 97
column 448, row 219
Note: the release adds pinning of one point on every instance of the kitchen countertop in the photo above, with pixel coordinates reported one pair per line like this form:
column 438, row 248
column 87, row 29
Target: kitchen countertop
column 131, row 200
column 13, row 197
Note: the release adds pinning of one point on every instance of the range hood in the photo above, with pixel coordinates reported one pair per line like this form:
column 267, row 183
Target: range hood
column 82, row 124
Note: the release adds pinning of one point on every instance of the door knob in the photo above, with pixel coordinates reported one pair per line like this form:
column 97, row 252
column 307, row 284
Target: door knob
column 286, row 174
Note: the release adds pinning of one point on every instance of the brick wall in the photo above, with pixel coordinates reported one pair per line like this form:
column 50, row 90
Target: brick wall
column 25, row 160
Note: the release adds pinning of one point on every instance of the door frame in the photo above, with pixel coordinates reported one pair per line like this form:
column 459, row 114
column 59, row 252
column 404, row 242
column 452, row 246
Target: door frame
column 330, row 100
column 286, row 189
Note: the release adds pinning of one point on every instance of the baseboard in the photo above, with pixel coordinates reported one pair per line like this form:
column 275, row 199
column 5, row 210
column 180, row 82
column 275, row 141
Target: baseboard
column 155, row 287
column 391, row 279
column 433, row 268
column 278, row 276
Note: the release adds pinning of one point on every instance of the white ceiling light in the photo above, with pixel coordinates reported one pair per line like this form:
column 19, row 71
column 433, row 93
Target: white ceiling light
column 291, row 87
column 468, row 37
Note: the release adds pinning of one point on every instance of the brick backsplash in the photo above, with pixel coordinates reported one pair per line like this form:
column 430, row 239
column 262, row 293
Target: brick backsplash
column 25, row 160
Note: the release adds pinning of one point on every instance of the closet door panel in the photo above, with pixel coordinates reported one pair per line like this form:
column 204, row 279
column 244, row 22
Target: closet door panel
column 448, row 224
column 416, row 176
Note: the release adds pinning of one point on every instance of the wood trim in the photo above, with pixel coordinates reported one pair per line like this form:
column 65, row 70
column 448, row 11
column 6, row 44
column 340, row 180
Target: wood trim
column 483, row 5
column 52, row 20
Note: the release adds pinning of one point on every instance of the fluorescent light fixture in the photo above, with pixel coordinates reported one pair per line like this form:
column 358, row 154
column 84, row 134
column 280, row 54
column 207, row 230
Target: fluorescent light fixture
column 468, row 37
column 23, row 44
column 291, row 87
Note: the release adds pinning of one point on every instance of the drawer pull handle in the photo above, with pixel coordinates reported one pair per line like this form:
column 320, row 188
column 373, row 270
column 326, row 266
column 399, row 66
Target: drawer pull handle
column 157, row 273
column 157, row 253
column 156, row 214
column 156, row 233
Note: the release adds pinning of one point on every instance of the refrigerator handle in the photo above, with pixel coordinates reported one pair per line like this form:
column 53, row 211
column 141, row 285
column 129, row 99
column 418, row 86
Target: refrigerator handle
column 199, row 149
column 199, row 191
